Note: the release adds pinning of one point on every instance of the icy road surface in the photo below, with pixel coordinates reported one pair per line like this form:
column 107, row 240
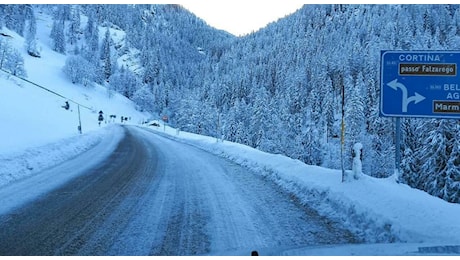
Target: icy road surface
column 156, row 196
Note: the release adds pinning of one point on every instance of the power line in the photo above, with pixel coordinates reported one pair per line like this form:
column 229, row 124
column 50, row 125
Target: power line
column 46, row 89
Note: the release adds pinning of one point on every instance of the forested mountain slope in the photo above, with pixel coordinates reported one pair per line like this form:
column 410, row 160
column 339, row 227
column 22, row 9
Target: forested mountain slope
column 278, row 89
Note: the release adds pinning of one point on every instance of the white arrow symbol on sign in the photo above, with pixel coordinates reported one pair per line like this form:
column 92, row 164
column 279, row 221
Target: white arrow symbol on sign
column 405, row 102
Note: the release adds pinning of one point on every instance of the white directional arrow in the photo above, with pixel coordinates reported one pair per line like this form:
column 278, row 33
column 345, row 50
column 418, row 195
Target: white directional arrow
column 417, row 98
column 405, row 100
column 395, row 85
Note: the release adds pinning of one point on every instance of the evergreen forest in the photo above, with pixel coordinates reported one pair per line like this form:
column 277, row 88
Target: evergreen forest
column 282, row 89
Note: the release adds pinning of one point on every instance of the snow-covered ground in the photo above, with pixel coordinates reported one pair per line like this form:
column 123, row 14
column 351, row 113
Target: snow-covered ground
column 37, row 133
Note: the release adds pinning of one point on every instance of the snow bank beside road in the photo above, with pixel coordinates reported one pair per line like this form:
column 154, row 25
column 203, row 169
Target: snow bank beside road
column 23, row 164
column 54, row 167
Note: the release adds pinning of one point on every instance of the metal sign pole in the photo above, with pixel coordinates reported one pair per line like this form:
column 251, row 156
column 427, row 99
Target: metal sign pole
column 343, row 133
column 398, row 148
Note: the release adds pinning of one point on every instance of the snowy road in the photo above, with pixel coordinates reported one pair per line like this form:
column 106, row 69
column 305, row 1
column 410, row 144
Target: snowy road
column 155, row 196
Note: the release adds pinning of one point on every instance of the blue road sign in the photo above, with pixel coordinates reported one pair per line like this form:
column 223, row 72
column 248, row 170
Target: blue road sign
column 420, row 84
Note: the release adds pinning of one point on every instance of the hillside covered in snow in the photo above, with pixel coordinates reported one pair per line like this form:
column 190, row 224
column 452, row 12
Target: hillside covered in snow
column 251, row 99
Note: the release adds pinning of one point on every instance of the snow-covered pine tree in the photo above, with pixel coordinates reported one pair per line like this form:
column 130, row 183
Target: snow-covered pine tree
column 2, row 15
column 57, row 31
column 354, row 114
column 79, row 70
column 15, row 63
column 435, row 155
column 259, row 121
column 144, row 99
column 451, row 190
column 91, row 49
column 5, row 50
column 73, row 33
column 413, row 138
column 15, row 17
column 124, row 82
column 106, row 46
column 11, row 60
column 31, row 33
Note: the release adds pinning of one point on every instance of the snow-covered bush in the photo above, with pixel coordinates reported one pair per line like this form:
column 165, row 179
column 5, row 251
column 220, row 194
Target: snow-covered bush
column 144, row 99
column 11, row 60
column 79, row 70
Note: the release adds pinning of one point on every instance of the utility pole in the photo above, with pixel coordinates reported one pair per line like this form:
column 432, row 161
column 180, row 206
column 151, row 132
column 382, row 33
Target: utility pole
column 79, row 120
column 218, row 126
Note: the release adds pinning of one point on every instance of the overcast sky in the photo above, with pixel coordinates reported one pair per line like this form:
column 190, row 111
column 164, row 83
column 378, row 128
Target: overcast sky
column 241, row 17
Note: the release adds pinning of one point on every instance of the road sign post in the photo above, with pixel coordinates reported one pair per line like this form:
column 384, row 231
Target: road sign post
column 419, row 84
column 165, row 120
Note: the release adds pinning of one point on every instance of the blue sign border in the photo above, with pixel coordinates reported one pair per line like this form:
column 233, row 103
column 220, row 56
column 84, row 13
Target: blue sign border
column 421, row 83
